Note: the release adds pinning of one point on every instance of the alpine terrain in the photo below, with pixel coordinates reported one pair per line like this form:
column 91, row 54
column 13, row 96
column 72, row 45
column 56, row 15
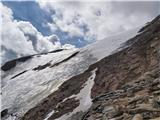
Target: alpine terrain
column 117, row 78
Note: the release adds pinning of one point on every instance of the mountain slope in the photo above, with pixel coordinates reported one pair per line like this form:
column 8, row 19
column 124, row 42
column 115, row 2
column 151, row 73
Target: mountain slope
column 59, row 85
column 26, row 81
column 110, row 74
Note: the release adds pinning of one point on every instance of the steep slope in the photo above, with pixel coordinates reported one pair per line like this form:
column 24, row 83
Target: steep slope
column 127, row 86
column 26, row 81
column 124, row 85
column 59, row 85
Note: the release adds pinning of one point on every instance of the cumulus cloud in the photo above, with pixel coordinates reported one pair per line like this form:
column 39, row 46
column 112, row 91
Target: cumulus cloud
column 40, row 43
column 13, row 39
column 97, row 20
column 21, row 38
column 68, row 46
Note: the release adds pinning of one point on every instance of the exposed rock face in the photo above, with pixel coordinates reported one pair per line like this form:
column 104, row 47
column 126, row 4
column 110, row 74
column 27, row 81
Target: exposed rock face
column 4, row 112
column 135, row 100
column 126, row 84
column 130, row 63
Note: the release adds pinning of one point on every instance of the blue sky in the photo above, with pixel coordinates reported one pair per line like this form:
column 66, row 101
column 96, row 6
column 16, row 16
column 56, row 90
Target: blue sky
column 38, row 17
column 31, row 27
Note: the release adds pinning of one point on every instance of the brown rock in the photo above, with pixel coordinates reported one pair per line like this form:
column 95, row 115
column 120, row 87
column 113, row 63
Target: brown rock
column 137, row 117
column 158, row 118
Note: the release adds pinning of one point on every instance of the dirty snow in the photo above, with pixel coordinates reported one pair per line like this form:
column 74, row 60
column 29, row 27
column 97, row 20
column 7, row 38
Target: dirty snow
column 84, row 97
column 49, row 115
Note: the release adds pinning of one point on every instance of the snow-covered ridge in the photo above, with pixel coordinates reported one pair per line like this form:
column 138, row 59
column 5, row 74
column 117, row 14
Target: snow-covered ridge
column 107, row 46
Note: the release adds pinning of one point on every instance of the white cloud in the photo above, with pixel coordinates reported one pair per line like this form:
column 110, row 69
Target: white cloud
column 91, row 20
column 66, row 19
column 101, row 18
column 21, row 38
column 68, row 46
column 40, row 43
column 13, row 38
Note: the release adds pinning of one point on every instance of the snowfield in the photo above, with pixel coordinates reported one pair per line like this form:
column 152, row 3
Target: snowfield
column 24, row 91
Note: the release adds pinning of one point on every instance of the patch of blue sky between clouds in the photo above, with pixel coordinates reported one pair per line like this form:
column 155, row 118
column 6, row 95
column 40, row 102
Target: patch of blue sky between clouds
column 30, row 11
column 39, row 18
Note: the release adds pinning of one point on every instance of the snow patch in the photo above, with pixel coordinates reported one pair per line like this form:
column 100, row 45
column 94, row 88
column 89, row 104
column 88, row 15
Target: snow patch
column 49, row 115
column 84, row 96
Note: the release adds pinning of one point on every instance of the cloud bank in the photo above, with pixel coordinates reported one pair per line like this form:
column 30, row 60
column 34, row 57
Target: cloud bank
column 97, row 20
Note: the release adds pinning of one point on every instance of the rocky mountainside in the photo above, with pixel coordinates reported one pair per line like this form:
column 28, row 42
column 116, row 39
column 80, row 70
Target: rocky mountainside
column 88, row 84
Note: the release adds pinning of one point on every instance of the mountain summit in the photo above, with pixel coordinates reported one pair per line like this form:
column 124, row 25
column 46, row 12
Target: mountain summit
column 117, row 78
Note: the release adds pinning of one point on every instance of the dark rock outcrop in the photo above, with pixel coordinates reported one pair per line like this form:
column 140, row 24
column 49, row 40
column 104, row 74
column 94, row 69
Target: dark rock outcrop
column 41, row 67
column 11, row 64
column 19, row 74
column 4, row 112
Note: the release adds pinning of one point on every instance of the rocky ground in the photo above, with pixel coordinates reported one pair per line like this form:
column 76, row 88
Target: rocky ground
column 127, row 87
column 128, row 84
column 135, row 100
